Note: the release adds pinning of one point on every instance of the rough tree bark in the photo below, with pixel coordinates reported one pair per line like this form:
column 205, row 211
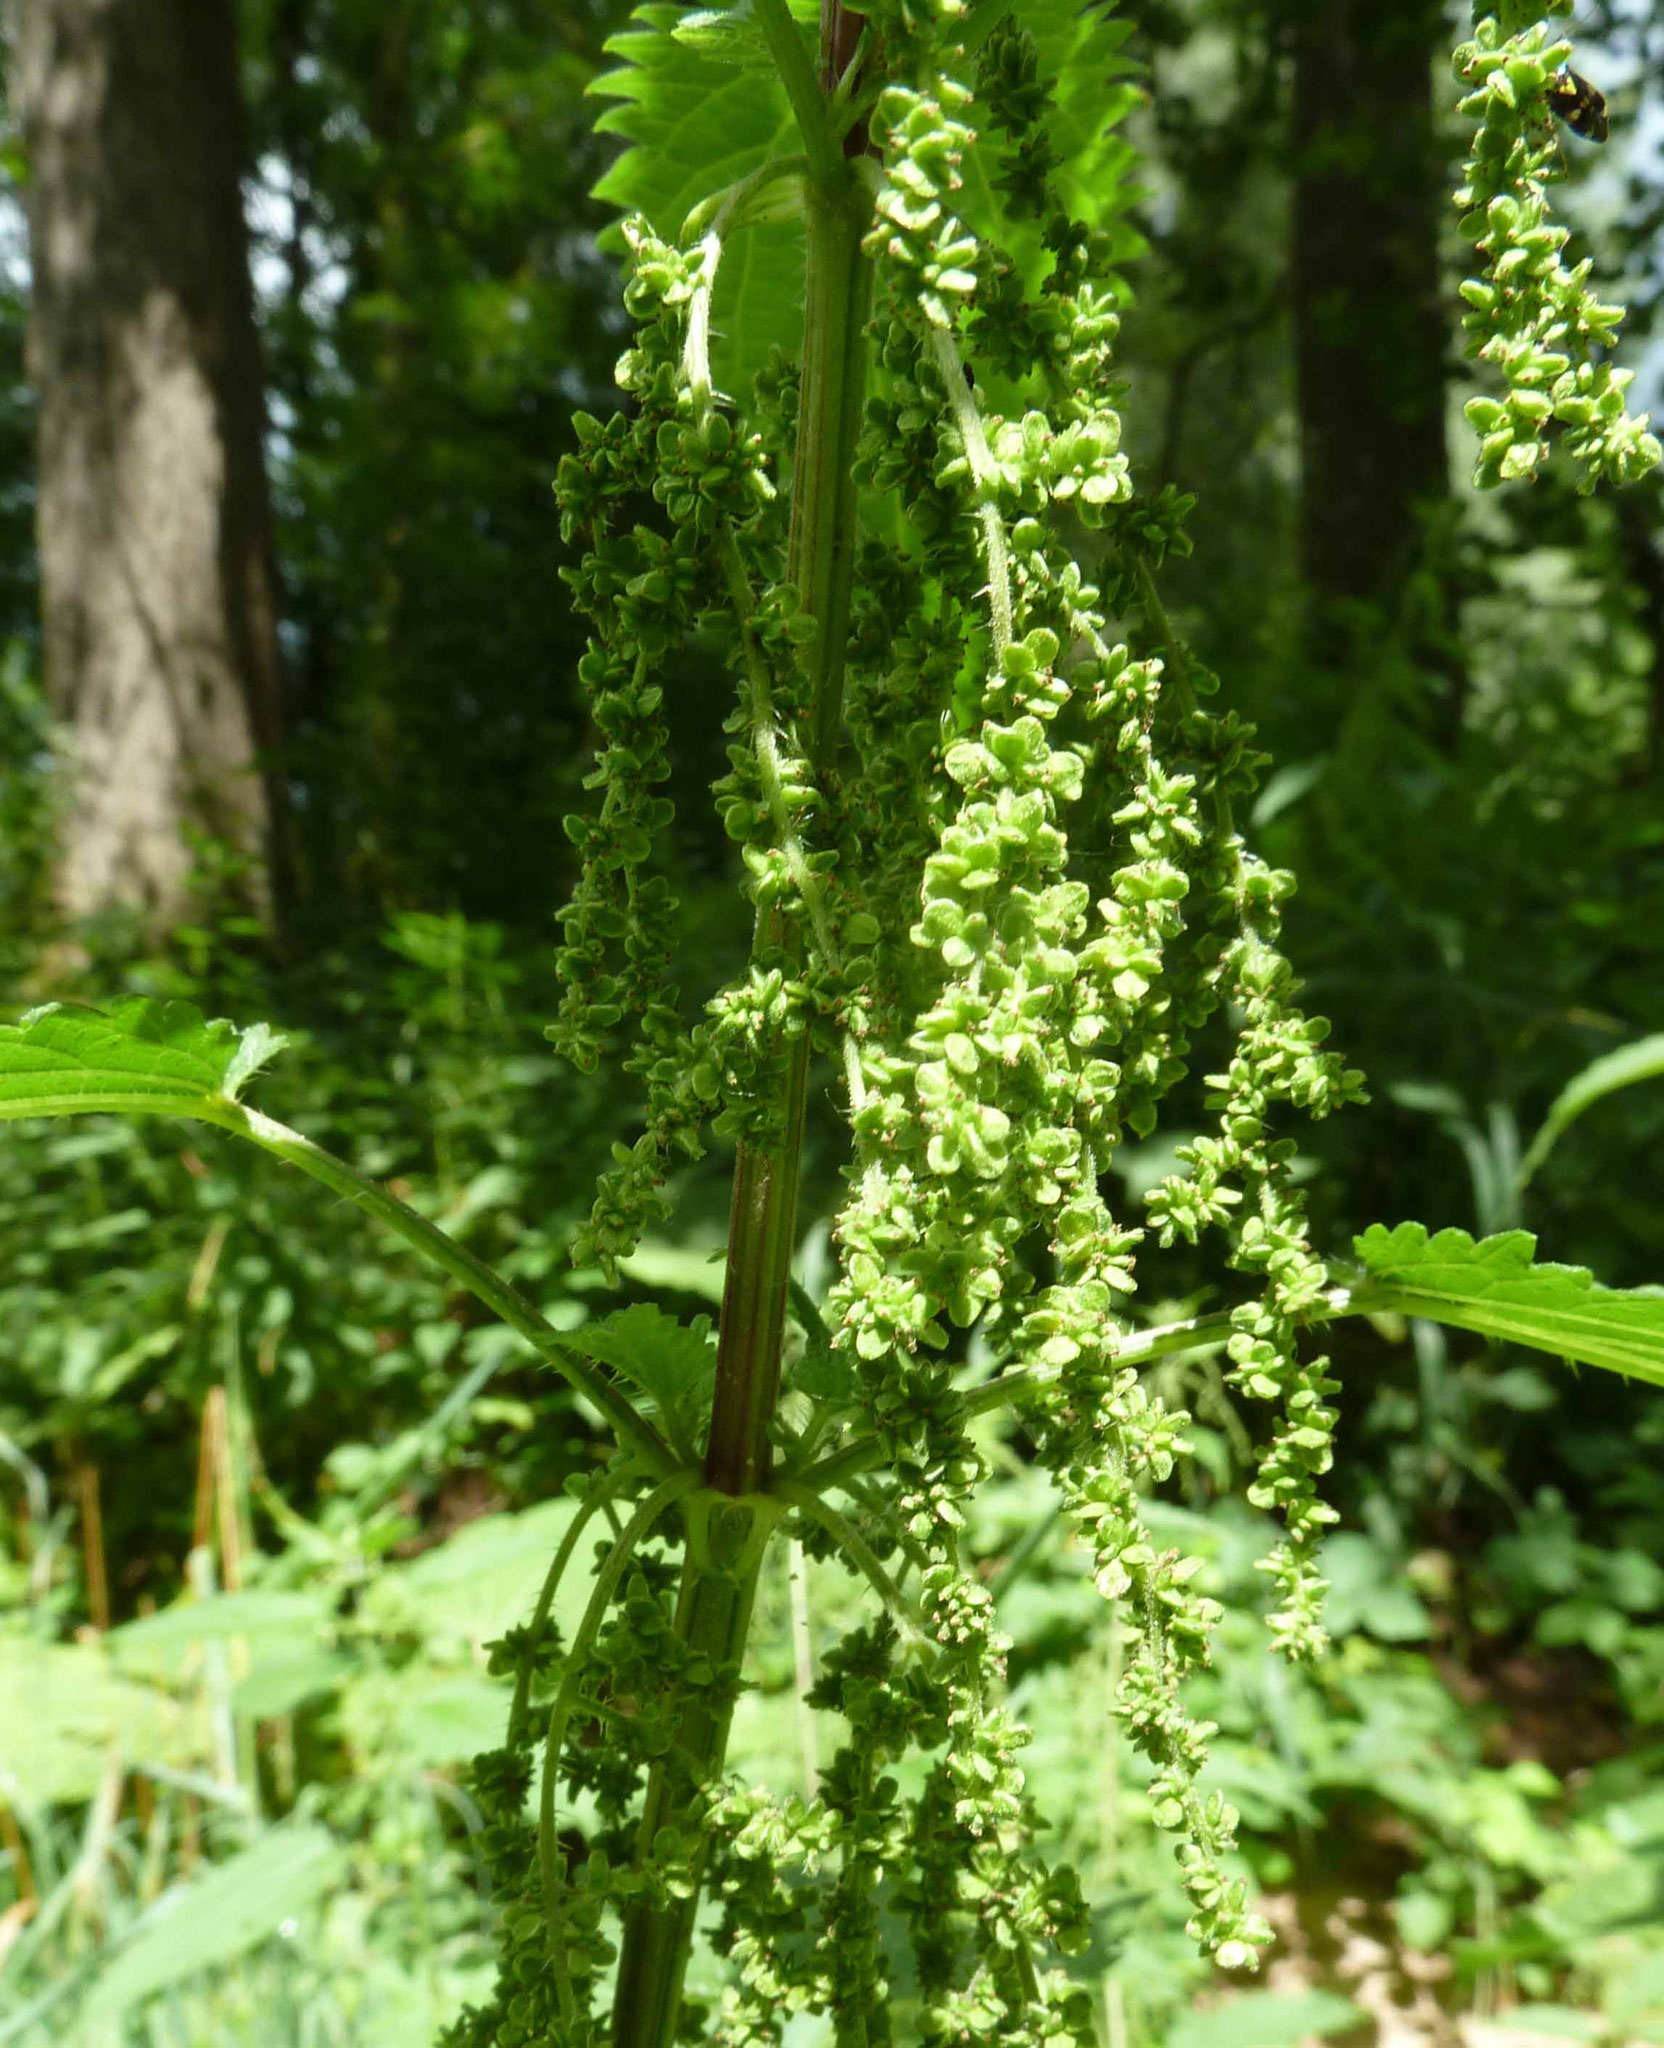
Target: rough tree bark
column 158, row 604
column 1368, row 318
column 1368, row 314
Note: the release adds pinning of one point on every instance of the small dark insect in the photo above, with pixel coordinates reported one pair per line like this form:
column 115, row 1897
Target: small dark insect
column 1578, row 104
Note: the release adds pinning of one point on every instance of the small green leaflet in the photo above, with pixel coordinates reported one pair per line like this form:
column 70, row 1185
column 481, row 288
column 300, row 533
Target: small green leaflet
column 824, row 1374
column 672, row 1363
column 140, row 1053
column 1495, row 1287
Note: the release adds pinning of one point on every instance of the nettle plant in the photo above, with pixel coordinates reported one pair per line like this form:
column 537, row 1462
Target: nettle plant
column 986, row 802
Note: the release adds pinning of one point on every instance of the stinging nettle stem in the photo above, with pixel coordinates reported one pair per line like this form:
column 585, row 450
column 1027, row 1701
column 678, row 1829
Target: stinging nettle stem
column 714, row 1607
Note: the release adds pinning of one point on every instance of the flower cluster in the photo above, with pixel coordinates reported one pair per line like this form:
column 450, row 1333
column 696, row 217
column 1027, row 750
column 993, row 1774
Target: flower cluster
column 1015, row 913
column 1042, row 1024
column 645, row 588
column 1530, row 316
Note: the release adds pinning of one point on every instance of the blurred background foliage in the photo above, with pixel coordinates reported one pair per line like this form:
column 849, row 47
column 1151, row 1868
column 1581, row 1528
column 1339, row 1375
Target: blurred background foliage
column 267, row 1491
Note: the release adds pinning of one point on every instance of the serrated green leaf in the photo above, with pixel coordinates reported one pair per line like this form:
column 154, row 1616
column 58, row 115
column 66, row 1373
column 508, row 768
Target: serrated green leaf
column 726, row 35
column 827, row 1375
column 697, row 124
column 141, row 1052
column 218, row 1915
column 1641, row 1061
column 281, row 1634
column 672, row 1363
column 700, row 112
column 63, row 1707
column 1495, row 1286
column 256, row 1615
column 478, row 1583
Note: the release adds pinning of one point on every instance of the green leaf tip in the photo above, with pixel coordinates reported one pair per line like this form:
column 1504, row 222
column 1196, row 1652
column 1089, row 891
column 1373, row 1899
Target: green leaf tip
column 1496, row 1287
column 672, row 1363
column 143, row 1052
column 1641, row 1060
column 726, row 35
column 257, row 1045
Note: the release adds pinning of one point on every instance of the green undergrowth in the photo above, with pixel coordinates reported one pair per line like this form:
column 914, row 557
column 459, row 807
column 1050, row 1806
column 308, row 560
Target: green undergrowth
column 292, row 1852
column 969, row 1517
column 292, row 1858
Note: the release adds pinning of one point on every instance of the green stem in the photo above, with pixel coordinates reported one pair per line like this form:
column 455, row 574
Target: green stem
column 443, row 1252
column 713, row 1616
column 714, row 1607
column 950, row 366
column 860, row 1553
column 820, row 563
column 566, row 1698
column 797, row 74
column 766, row 745
column 604, row 1490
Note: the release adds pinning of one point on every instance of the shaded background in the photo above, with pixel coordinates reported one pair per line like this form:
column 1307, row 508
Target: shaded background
column 206, row 1380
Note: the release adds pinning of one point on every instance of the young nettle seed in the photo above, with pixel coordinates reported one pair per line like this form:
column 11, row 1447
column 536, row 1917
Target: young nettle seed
column 1532, row 317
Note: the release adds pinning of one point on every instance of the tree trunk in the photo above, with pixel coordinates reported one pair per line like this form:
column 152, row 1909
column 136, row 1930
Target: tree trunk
column 1370, row 331
column 158, row 592
column 1636, row 512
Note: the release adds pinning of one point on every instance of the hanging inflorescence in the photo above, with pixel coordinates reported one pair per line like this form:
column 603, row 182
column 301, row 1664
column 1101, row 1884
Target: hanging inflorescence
column 1011, row 918
column 1052, row 1023
column 1531, row 317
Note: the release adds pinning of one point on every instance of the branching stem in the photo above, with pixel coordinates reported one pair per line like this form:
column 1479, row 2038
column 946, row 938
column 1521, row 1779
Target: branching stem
column 714, row 1608
column 724, row 213
column 860, row 1554
column 450, row 1257
column 602, row 1493
column 797, row 75
column 566, row 1698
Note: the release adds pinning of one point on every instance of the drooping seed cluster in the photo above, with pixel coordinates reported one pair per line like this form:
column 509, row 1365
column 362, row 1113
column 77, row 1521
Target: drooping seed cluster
column 1041, row 1024
column 1013, row 914
column 1531, row 316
